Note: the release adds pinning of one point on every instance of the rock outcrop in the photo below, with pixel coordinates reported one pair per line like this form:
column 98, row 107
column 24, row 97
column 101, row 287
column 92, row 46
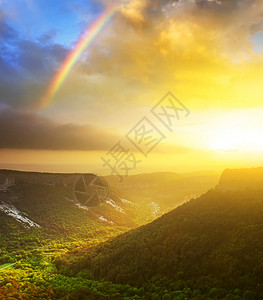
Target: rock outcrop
column 241, row 179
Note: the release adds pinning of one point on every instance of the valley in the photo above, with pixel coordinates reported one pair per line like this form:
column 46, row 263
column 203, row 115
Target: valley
column 132, row 246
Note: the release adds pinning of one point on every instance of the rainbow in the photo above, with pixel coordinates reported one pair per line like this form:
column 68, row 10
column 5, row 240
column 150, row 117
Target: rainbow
column 82, row 44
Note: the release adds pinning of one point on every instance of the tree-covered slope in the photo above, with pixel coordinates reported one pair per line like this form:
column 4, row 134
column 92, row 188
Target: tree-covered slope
column 212, row 245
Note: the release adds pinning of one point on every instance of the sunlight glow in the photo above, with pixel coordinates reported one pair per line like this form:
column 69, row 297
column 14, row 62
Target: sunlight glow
column 235, row 136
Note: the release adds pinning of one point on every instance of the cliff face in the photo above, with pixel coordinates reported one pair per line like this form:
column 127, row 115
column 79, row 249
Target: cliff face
column 37, row 178
column 241, row 179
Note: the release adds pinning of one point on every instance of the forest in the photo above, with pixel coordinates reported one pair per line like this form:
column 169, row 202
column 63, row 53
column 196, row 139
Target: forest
column 208, row 248
column 211, row 247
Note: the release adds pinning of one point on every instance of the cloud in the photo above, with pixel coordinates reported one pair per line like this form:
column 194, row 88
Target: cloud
column 154, row 46
column 26, row 66
column 149, row 47
column 47, row 37
column 6, row 32
column 31, row 131
column 23, row 79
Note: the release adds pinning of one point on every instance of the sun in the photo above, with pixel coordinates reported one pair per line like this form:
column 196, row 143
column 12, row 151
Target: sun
column 224, row 140
column 235, row 135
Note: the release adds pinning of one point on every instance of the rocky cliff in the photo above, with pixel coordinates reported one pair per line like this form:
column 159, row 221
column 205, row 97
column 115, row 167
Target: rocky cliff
column 241, row 179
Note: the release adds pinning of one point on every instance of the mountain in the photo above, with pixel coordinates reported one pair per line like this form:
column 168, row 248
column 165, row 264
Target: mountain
column 54, row 203
column 241, row 179
column 51, row 204
column 161, row 192
column 210, row 247
column 37, row 208
column 57, row 241
column 43, row 215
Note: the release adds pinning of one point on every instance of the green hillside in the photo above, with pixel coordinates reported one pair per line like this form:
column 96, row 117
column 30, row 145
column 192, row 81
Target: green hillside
column 208, row 248
column 211, row 247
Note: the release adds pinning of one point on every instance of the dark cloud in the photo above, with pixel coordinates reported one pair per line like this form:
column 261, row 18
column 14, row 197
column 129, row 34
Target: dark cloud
column 228, row 4
column 6, row 32
column 26, row 67
column 149, row 12
column 25, row 75
column 38, row 60
column 47, row 37
column 31, row 131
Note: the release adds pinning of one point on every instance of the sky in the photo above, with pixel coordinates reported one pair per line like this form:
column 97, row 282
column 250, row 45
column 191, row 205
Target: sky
column 161, row 85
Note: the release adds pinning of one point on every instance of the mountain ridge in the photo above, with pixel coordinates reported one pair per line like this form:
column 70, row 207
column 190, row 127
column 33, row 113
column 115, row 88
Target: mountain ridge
column 210, row 239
